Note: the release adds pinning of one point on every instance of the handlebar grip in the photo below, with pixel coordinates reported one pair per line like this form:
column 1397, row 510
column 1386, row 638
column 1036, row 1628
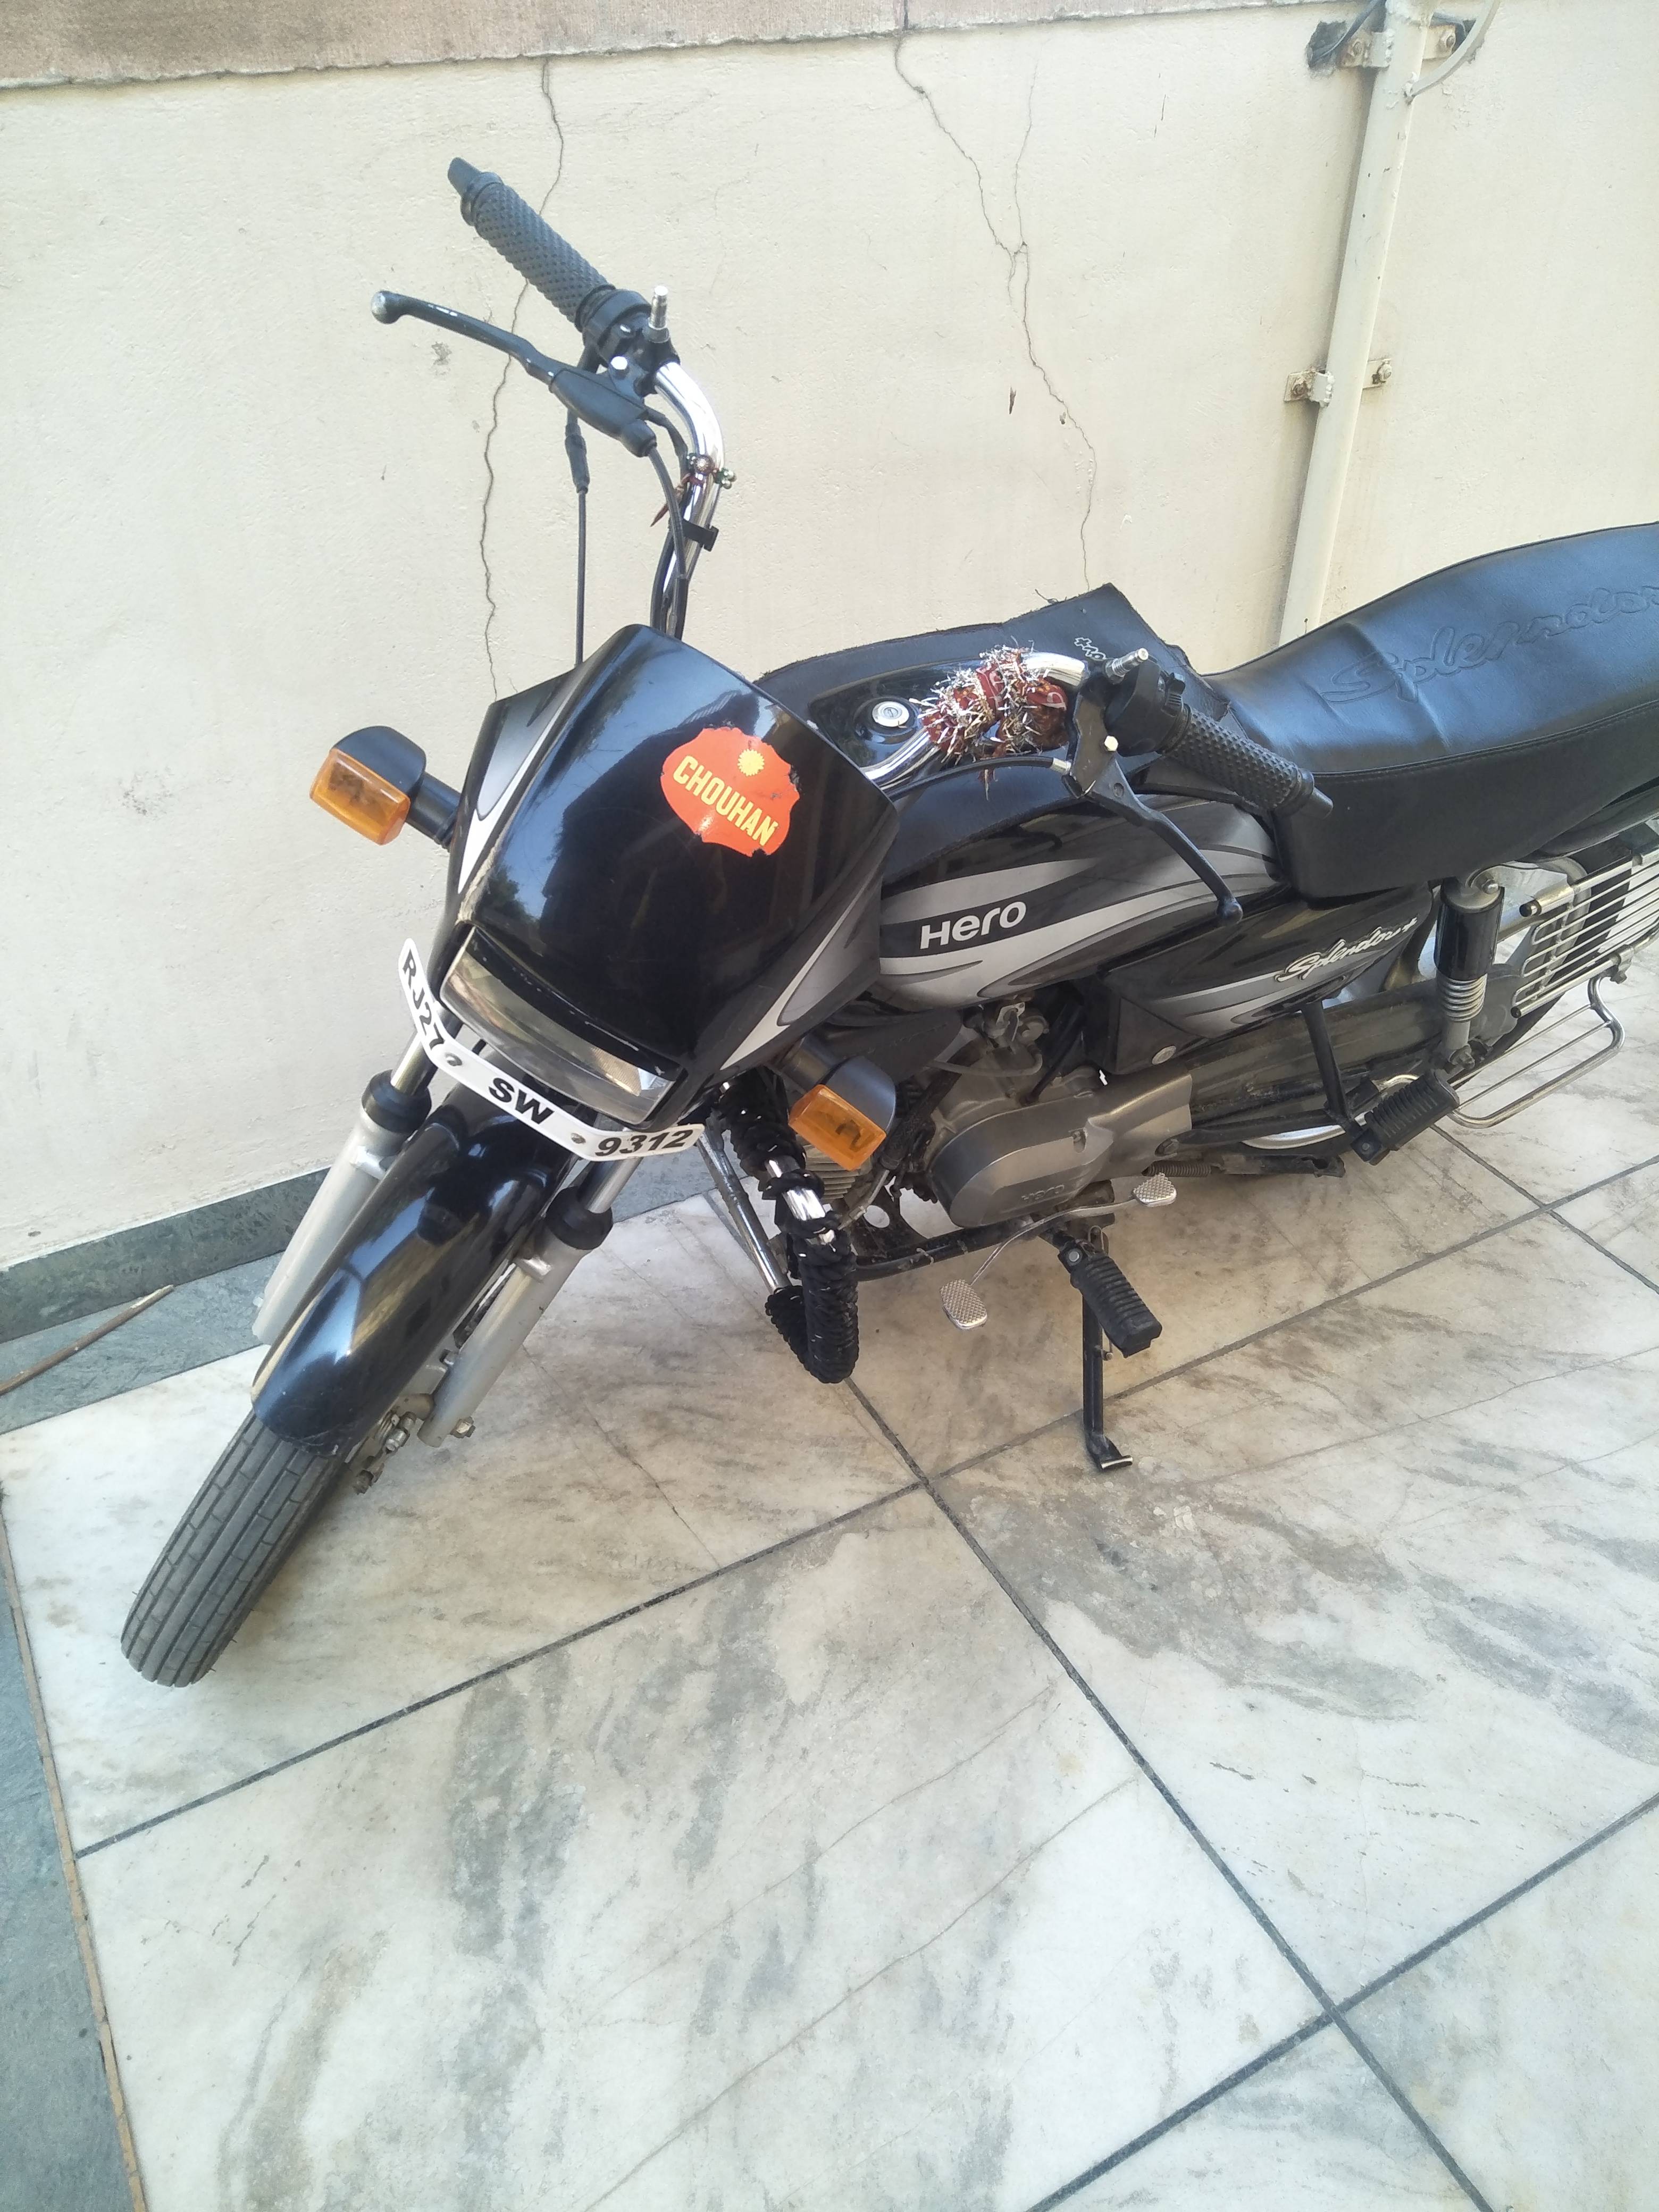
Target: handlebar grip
column 1266, row 779
column 518, row 234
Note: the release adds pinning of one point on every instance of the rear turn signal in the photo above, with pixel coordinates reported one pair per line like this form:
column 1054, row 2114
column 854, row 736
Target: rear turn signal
column 822, row 1117
column 364, row 801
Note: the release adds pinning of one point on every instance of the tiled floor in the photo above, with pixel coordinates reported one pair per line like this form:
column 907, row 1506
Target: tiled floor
column 705, row 1791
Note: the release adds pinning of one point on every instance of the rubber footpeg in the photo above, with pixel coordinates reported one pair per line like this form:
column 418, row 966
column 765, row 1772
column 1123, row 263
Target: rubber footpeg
column 1404, row 1115
column 1126, row 1319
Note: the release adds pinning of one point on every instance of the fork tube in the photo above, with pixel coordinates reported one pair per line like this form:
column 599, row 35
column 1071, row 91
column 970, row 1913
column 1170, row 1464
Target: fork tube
column 578, row 1223
column 393, row 1107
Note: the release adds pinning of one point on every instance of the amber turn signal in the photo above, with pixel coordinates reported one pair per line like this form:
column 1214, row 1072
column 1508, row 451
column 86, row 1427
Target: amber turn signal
column 365, row 802
column 825, row 1119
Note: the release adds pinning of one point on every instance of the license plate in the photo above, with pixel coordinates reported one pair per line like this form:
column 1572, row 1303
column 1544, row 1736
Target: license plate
column 465, row 1063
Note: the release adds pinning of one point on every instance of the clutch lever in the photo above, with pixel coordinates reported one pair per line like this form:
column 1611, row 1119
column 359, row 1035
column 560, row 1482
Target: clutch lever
column 596, row 401
column 1095, row 771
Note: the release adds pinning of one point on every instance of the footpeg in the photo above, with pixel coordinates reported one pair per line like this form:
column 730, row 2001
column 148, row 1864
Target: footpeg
column 1123, row 1316
column 1403, row 1114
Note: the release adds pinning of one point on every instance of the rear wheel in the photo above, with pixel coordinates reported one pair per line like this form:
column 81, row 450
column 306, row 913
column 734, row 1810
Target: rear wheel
column 241, row 1525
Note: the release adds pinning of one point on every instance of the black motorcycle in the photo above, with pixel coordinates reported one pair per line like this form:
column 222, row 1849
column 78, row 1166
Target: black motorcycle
column 925, row 945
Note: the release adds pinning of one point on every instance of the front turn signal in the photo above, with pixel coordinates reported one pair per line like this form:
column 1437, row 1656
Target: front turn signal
column 822, row 1117
column 363, row 800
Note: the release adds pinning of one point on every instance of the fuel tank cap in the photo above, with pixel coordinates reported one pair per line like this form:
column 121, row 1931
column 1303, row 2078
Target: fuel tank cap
column 890, row 715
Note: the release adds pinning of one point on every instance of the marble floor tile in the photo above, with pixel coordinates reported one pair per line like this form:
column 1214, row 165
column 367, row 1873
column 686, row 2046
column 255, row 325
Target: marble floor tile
column 820, row 1886
column 1314, row 2131
column 1600, row 1125
column 1230, row 1257
column 1623, row 1217
column 1530, row 2042
column 1379, row 1599
column 655, row 1428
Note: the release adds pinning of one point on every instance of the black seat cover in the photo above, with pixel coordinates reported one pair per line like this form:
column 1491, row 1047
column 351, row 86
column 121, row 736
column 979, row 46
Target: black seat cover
column 1471, row 716
column 1097, row 625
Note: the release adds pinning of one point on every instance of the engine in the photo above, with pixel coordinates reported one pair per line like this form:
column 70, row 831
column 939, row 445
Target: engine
column 997, row 1151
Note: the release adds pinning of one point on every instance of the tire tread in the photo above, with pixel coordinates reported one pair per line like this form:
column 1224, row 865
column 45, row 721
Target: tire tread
column 214, row 1568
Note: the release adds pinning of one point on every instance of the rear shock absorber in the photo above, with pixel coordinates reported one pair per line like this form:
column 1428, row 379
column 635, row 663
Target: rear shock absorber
column 1466, row 941
column 818, row 1314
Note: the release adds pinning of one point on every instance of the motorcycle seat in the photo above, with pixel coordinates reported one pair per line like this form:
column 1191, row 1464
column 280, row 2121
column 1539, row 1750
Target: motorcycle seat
column 1470, row 717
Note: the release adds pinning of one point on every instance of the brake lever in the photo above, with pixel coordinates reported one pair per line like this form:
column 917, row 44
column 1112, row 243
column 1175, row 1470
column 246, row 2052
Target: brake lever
column 598, row 403
column 1095, row 772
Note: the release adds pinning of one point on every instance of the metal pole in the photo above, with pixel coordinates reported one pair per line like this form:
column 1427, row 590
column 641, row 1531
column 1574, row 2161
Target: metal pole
column 1359, row 293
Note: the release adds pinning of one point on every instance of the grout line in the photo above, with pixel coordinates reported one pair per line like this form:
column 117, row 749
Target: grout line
column 1531, row 1196
column 1509, row 1897
column 1602, row 1181
column 72, row 1883
column 1596, row 1245
column 1238, row 1343
column 1257, row 1912
column 490, row 1674
column 1187, row 2112
column 1567, row 1198
column 1551, row 1207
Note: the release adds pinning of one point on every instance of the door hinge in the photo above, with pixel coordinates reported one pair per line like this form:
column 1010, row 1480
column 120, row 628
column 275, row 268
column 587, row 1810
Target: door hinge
column 1318, row 385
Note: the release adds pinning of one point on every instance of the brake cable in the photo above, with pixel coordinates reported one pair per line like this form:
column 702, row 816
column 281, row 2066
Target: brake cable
column 575, row 447
column 674, row 625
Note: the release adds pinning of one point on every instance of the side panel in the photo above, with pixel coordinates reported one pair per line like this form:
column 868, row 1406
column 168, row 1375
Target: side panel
column 1223, row 978
column 451, row 1206
column 1051, row 896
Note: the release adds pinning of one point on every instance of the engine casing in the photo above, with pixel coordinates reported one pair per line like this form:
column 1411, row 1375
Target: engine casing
column 994, row 1157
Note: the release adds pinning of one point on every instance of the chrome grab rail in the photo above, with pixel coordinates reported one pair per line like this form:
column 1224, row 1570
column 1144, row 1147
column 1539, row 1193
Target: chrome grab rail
column 1603, row 1051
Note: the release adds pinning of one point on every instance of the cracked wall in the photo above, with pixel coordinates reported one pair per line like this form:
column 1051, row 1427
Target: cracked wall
column 986, row 316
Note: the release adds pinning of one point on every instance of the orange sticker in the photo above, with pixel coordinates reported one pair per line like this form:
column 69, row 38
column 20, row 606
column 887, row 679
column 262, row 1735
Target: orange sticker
column 731, row 790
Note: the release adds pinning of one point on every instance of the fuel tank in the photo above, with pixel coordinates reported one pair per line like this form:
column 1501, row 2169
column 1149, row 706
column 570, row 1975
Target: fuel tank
column 997, row 883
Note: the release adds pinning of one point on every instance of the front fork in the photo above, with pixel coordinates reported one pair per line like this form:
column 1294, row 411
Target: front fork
column 393, row 1107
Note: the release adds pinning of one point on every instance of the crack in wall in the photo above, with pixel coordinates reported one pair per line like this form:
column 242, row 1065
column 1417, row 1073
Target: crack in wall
column 1017, row 258
column 490, row 608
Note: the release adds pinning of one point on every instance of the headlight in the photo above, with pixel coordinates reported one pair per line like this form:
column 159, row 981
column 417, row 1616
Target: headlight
column 477, row 988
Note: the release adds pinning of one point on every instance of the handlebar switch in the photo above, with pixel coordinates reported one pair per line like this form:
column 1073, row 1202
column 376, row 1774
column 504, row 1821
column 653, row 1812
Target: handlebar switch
column 1145, row 707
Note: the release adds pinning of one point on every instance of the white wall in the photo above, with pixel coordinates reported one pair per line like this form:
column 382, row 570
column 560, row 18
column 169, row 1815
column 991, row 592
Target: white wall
column 244, row 518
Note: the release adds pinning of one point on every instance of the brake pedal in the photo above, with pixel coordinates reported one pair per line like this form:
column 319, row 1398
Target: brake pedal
column 1124, row 1315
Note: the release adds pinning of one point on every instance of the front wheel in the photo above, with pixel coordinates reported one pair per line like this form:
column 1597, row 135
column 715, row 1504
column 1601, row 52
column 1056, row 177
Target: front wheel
column 241, row 1525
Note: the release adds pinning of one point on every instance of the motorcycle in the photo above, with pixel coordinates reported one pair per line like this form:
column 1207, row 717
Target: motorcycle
column 926, row 946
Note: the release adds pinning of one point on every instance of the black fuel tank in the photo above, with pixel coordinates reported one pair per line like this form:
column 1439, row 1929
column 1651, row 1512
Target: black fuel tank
column 1222, row 979
column 999, row 883
column 656, row 851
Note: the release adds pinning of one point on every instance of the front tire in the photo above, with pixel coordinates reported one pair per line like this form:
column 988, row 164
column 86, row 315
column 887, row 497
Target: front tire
column 242, row 1524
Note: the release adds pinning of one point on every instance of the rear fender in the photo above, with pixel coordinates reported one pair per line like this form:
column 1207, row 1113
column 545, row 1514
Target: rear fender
column 449, row 1210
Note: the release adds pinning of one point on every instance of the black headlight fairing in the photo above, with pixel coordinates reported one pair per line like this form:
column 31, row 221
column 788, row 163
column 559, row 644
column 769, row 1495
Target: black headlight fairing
column 660, row 928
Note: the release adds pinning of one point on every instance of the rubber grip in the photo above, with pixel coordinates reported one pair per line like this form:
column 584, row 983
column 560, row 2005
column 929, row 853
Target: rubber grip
column 518, row 234
column 1126, row 1319
column 1267, row 779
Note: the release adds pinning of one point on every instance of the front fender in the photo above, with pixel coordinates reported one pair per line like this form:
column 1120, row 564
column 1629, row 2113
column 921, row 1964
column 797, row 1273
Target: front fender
column 452, row 1205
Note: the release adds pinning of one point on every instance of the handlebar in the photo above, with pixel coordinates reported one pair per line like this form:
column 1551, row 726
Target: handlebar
column 541, row 257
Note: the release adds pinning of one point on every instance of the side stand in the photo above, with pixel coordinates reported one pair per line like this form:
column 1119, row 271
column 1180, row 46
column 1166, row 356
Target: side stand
column 1099, row 1446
